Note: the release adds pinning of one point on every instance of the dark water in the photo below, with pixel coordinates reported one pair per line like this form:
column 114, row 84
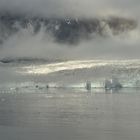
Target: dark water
column 70, row 115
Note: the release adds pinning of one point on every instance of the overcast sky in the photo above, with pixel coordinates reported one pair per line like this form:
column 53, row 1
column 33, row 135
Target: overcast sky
column 77, row 8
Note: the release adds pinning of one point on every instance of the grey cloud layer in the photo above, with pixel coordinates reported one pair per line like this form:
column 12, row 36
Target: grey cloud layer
column 72, row 7
column 124, row 46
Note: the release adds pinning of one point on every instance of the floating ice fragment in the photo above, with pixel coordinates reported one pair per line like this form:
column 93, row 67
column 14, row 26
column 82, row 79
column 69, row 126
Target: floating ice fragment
column 112, row 83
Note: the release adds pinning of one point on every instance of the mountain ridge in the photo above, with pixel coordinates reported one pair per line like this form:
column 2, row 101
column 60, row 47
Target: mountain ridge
column 64, row 30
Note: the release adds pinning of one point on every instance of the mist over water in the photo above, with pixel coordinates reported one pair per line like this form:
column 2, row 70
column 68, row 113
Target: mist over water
column 45, row 32
column 69, row 29
column 84, row 45
column 69, row 69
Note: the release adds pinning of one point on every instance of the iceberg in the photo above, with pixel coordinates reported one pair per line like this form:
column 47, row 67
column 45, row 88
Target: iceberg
column 88, row 85
column 112, row 83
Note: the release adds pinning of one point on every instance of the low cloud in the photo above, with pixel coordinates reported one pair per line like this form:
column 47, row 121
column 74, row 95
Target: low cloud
column 43, row 45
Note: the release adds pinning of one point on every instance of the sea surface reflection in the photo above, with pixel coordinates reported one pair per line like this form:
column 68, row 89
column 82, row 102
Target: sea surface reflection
column 70, row 115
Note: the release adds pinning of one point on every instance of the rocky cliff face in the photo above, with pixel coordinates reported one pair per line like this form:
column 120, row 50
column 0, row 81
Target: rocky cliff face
column 66, row 30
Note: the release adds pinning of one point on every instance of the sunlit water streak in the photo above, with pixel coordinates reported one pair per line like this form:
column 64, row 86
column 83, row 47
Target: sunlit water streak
column 77, row 64
column 68, row 74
